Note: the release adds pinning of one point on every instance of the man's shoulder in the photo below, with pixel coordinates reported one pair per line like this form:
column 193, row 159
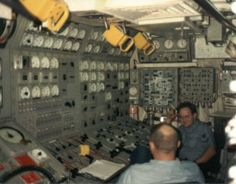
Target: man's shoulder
column 190, row 166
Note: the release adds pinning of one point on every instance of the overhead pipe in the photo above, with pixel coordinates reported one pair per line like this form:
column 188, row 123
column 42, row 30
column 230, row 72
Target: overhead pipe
column 214, row 12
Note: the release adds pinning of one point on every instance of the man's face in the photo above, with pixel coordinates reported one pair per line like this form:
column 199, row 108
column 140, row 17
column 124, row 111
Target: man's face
column 186, row 117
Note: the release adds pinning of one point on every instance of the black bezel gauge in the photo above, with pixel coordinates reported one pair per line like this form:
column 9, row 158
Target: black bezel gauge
column 11, row 135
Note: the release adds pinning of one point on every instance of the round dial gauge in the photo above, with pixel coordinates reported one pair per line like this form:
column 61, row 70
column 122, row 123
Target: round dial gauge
column 111, row 51
column 36, row 92
column 101, row 76
column 64, row 32
column 94, row 35
column 55, row 90
column 93, row 65
column 57, row 44
column 85, row 65
column 100, row 66
column 97, row 49
column 84, row 76
column 121, row 66
column 11, row 135
column 168, row 44
column 100, row 87
column 182, row 43
column 45, row 91
column 133, row 91
column 54, row 63
column 126, row 67
column 121, row 85
column 25, row 93
column 45, row 62
column 38, row 41
column 81, row 34
column 108, row 96
column 88, row 48
column 48, row 42
column 115, row 66
column 75, row 46
column 35, row 62
column 68, row 45
column 27, row 39
column 92, row 87
column 32, row 27
column 156, row 44
column 92, row 76
column 74, row 32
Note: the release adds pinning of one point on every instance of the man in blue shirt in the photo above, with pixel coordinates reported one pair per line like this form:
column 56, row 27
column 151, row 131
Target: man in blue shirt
column 197, row 137
column 164, row 167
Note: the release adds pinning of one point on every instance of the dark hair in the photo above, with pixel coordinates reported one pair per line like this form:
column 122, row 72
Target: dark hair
column 166, row 142
column 189, row 105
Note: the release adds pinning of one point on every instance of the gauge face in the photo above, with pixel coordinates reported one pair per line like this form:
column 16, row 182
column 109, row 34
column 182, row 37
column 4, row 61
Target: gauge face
column 93, row 65
column 54, row 64
column 182, row 43
column 88, row 48
column 94, row 35
column 55, row 90
column 100, row 66
column 45, row 62
column 97, row 49
column 108, row 96
column 38, row 41
column 45, row 91
column 57, row 44
column 11, row 135
column 48, row 42
column 81, row 34
column 84, row 76
column 74, row 32
column 84, row 65
column 27, row 39
column 100, row 86
column 35, row 62
column 126, row 67
column 121, row 66
column 92, row 87
column 64, row 32
column 111, row 51
column 36, row 93
column 68, row 45
column 156, row 44
column 92, row 76
column 133, row 91
column 75, row 46
column 25, row 93
column 168, row 44
column 101, row 76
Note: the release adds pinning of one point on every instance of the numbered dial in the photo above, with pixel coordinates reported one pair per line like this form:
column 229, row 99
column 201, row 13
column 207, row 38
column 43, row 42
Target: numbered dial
column 45, row 62
column 57, row 44
column 48, row 42
column 168, row 44
column 38, row 41
column 81, row 34
column 27, row 39
column 25, row 93
column 11, row 135
column 54, row 63
column 55, row 90
column 35, row 62
column 36, row 93
column 182, row 43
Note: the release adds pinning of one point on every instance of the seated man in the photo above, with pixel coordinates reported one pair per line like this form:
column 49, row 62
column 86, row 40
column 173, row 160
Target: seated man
column 197, row 137
column 165, row 167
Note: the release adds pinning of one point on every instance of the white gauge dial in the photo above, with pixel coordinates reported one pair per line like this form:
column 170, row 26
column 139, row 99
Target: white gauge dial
column 133, row 91
column 92, row 87
column 45, row 91
column 68, row 45
column 57, row 44
column 97, row 49
column 85, row 65
column 45, row 62
column 55, row 90
column 100, row 86
column 88, row 48
column 121, row 85
column 182, row 43
column 81, row 34
column 27, row 39
column 18, row 63
column 54, row 64
column 65, row 32
column 38, row 41
column 126, row 67
column 94, row 35
column 24, row 93
column 35, row 62
column 48, row 42
column 100, row 66
column 84, row 76
column 11, row 135
column 121, row 66
column 101, row 76
column 75, row 46
column 92, row 76
column 168, row 44
column 36, row 93
column 93, row 65
column 108, row 96
column 74, row 32
column 111, row 51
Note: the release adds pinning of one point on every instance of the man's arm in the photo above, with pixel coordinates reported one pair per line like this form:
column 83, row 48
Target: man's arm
column 207, row 155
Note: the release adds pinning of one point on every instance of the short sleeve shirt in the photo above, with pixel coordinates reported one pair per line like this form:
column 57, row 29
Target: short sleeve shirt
column 196, row 139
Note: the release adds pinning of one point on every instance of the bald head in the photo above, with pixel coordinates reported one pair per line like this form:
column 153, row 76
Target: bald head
column 165, row 137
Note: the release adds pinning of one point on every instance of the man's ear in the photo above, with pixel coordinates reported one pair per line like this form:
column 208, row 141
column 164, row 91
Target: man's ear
column 152, row 146
column 178, row 144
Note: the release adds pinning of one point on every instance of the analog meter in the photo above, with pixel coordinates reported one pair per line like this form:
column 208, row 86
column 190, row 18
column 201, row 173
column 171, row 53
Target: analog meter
column 45, row 91
column 74, row 32
column 88, row 48
column 168, row 44
column 24, row 93
column 133, row 91
column 84, row 76
column 48, row 42
column 81, row 34
column 68, row 45
column 27, row 39
column 75, row 46
column 55, row 90
column 35, row 62
column 11, row 135
column 54, row 64
column 182, row 43
column 38, row 41
column 57, row 44
column 36, row 92
column 93, row 65
column 45, row 62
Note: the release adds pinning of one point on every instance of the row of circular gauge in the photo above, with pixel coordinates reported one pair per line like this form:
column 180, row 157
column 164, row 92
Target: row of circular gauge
column 26, row 92
column 170, row 44
column 71, row 31
column 41, row 41
column 100, row 86
column 106, row 66
column 37, row 62
column 100, row 76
